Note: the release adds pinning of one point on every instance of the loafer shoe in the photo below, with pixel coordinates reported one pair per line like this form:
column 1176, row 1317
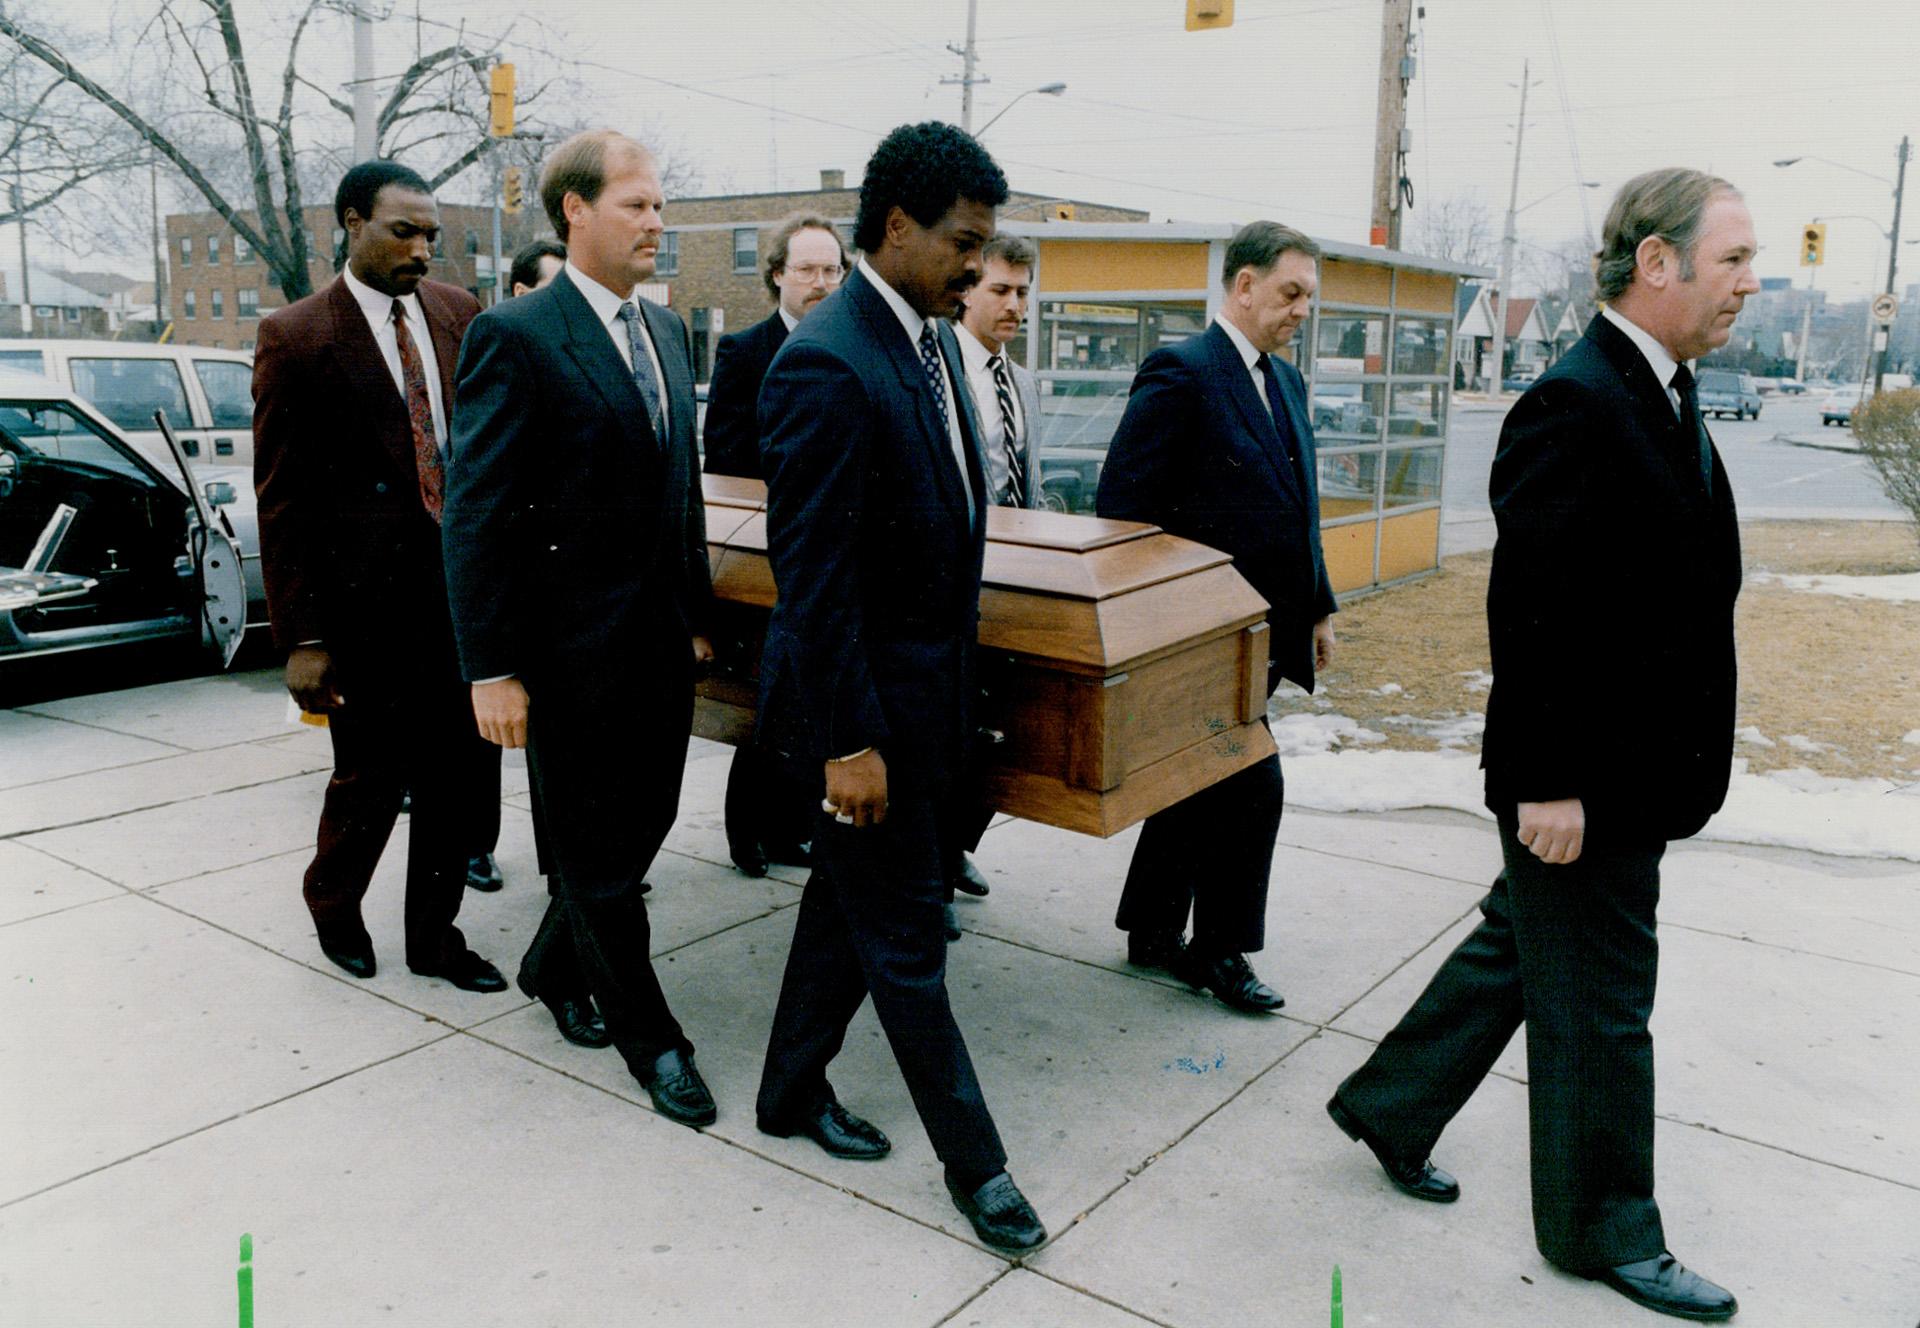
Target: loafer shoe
column 1155, row 949
column 966, row 878
column 1667, row 1286
column 483, row 874
column 678, row 1091
column 1417, row 1177
column 1229, row 977
column 575, row 1017
column 835, row 1129
column 466, row 970
column 748, row 856
column 1000, row 1214
column 353, row 953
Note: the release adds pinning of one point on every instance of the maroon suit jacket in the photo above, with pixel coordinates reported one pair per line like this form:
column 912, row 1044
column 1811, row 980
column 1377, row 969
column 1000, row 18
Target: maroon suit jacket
column 346, row 546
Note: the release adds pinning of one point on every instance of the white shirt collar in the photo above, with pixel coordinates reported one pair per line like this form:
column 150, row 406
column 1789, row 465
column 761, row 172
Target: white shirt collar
column 1658, row 359
column 606, row 304
column 973, row 351
column 787, row 318
column 909, row 320
column 378, row 307
column 1240, row 343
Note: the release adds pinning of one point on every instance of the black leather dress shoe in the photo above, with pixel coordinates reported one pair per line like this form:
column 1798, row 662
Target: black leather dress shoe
column 678, row 1091
column 1000, row 1214
column 1155, row 949
column 353, row 953
column 575, row 1017
column 467, row 971
column 1231, row 978
column 950, row 920
column 748, row 856
column 966, row 878
column 483, row 874
column 788, row 854
column 1417, row 1177
column 835, row 1129
column 1667, row 1286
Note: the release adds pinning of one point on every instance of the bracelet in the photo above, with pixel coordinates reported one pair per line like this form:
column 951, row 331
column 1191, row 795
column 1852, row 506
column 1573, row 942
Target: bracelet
column 850, row 756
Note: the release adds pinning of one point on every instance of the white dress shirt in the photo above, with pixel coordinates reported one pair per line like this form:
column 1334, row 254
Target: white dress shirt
column 787, row 318
column 986, row 397
column 1658, row 359
column 911, row 323
column 1251, row 355
column 606, row 307
column 378, row 309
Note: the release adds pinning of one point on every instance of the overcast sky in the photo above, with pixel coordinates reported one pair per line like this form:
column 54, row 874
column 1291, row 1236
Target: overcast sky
column 1275, row 115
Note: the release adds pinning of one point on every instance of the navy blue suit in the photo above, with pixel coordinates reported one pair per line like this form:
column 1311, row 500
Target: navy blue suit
column 1199, row 455
column 731, row 435
column 871, row 644
column 576, row 560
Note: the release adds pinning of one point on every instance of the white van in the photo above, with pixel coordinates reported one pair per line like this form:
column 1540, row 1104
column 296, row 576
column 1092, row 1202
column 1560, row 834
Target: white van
column 207, row 393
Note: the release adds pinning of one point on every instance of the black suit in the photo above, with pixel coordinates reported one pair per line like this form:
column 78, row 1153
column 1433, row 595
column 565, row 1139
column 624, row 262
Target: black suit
column 1198, row 454
column 871, row 644
column 576, row 560
column 1611, row 545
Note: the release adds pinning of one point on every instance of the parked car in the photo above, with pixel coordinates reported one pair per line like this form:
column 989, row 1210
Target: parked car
column 99, row 546
column 1841, row 408
column 206, row 393
column 1725, row 393
column 1341, row 408
column 1792, row 387
column 1519, row 380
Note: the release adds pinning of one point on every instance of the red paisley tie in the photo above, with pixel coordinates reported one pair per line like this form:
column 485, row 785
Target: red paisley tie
column 426, row 452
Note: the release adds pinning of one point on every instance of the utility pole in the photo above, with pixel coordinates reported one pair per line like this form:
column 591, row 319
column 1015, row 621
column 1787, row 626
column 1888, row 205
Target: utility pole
column 159, row 251
column 1806, row 326
column 363, row 90
column 1893, row 261
column 969, row 60
column 1498, row 386
column 1390, row 142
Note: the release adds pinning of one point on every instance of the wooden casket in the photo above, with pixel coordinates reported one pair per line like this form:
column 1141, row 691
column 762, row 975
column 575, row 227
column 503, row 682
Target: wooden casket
column 1123, row 668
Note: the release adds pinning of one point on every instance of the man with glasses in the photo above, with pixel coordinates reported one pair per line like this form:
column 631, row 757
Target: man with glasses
column 766, row 817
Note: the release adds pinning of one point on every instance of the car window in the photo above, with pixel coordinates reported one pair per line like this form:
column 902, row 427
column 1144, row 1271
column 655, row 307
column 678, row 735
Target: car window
column 229, row 389
column 50, row 429
column 29, row 361
column 1719, row 382
column 128, row 391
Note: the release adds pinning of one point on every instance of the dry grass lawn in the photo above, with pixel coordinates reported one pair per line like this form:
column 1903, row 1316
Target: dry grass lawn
column 1832, row 684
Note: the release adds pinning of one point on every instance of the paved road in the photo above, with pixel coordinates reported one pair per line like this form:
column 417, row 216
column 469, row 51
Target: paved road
column 1773, row 476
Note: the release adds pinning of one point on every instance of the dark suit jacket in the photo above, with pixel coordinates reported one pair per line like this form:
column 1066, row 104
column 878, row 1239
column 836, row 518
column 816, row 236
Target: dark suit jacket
column 568, row 525
column 1610, row 610
column 871, row 641
column 1198, row 455
column 732, row 437
column 346, row 545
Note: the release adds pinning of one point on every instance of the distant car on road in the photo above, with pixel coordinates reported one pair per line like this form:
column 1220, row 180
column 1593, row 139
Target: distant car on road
column 1519, row 381
column 1845, row 402
column 1723, row 393
column 1791, row 387
column 100, row 546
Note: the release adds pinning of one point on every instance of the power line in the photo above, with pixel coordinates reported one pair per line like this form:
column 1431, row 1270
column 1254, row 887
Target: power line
column 1566, row 112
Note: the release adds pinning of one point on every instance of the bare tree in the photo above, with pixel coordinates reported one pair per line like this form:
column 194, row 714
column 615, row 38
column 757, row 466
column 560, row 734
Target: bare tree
column 1458, row 229
column 197, row 109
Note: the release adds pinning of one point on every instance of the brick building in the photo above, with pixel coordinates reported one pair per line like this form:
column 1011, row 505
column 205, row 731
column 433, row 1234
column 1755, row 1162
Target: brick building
column 218, row 287
column 710, row 257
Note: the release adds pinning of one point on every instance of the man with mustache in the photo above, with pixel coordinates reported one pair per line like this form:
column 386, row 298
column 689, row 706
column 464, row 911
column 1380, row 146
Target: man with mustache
column 352, row 388
column 875, row 526
column 766, row 814
column 577, row 565
column 1588, row 775
column 1216, row 446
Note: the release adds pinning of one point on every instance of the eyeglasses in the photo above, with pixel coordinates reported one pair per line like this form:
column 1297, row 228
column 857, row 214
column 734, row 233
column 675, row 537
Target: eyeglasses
column 812, row 272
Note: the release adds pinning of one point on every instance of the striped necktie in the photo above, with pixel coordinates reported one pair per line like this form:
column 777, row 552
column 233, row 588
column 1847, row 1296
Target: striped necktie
column 1009, row 435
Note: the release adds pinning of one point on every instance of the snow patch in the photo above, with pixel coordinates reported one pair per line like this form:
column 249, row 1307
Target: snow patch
column 1389, row 689
column 1477, row 680
column 1307, row 735
column 1753, row 736
column 1902, row 588
column 1800, row 742
column 1912, row 737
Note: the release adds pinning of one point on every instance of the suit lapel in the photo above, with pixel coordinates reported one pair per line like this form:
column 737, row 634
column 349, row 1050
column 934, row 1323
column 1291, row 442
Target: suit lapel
column 1232, row 371
column 891, row 337
column 591, row 346
column 1028, row 388
column 970, row 432
column 446, row 342
column 1662, row 422
column 668, row 345
column 361, row 362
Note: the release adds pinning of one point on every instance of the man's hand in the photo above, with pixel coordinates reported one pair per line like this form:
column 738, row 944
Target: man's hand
column 858, row 788
column 500, row 711
column 702, row 650
column 310, row 680
column 1553, row 830
column 1323, row 643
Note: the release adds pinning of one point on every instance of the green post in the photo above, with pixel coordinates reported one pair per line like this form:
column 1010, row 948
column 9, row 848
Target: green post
column 245, row 1279
column 1339, row 1315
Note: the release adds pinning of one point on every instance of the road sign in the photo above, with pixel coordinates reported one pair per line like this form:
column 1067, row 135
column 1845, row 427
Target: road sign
column 1885, row 306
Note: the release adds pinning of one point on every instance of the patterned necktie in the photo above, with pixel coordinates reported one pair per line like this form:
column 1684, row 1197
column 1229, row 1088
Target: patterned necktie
column 426, row 452
column 1016, row 452
column 930, row 361
column 1691, row 423
column 643, row 377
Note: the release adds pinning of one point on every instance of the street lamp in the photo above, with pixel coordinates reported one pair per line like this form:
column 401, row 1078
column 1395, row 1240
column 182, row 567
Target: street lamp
column 1045, row 89
column 1893, row 236
column 1498, row 386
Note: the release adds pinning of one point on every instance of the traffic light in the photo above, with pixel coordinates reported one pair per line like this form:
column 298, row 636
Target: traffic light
column 1203, row 14
column 1060, row 212
column 500, row 102
column 1813, row 244
column 511, row 193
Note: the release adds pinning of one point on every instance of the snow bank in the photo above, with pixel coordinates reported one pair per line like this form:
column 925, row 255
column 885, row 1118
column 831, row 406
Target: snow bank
column 1904, row 588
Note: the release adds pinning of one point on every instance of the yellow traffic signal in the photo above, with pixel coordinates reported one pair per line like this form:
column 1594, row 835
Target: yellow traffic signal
column 512, row 194
column 1060, row 211
column 500, row 102
column 1813, row 244
column 1209, row 14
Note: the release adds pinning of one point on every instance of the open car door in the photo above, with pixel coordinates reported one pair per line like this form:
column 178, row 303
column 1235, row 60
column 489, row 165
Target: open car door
column 216, row 561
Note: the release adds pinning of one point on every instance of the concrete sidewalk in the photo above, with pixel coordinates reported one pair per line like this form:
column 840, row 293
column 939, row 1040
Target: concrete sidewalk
column 179, row 1065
